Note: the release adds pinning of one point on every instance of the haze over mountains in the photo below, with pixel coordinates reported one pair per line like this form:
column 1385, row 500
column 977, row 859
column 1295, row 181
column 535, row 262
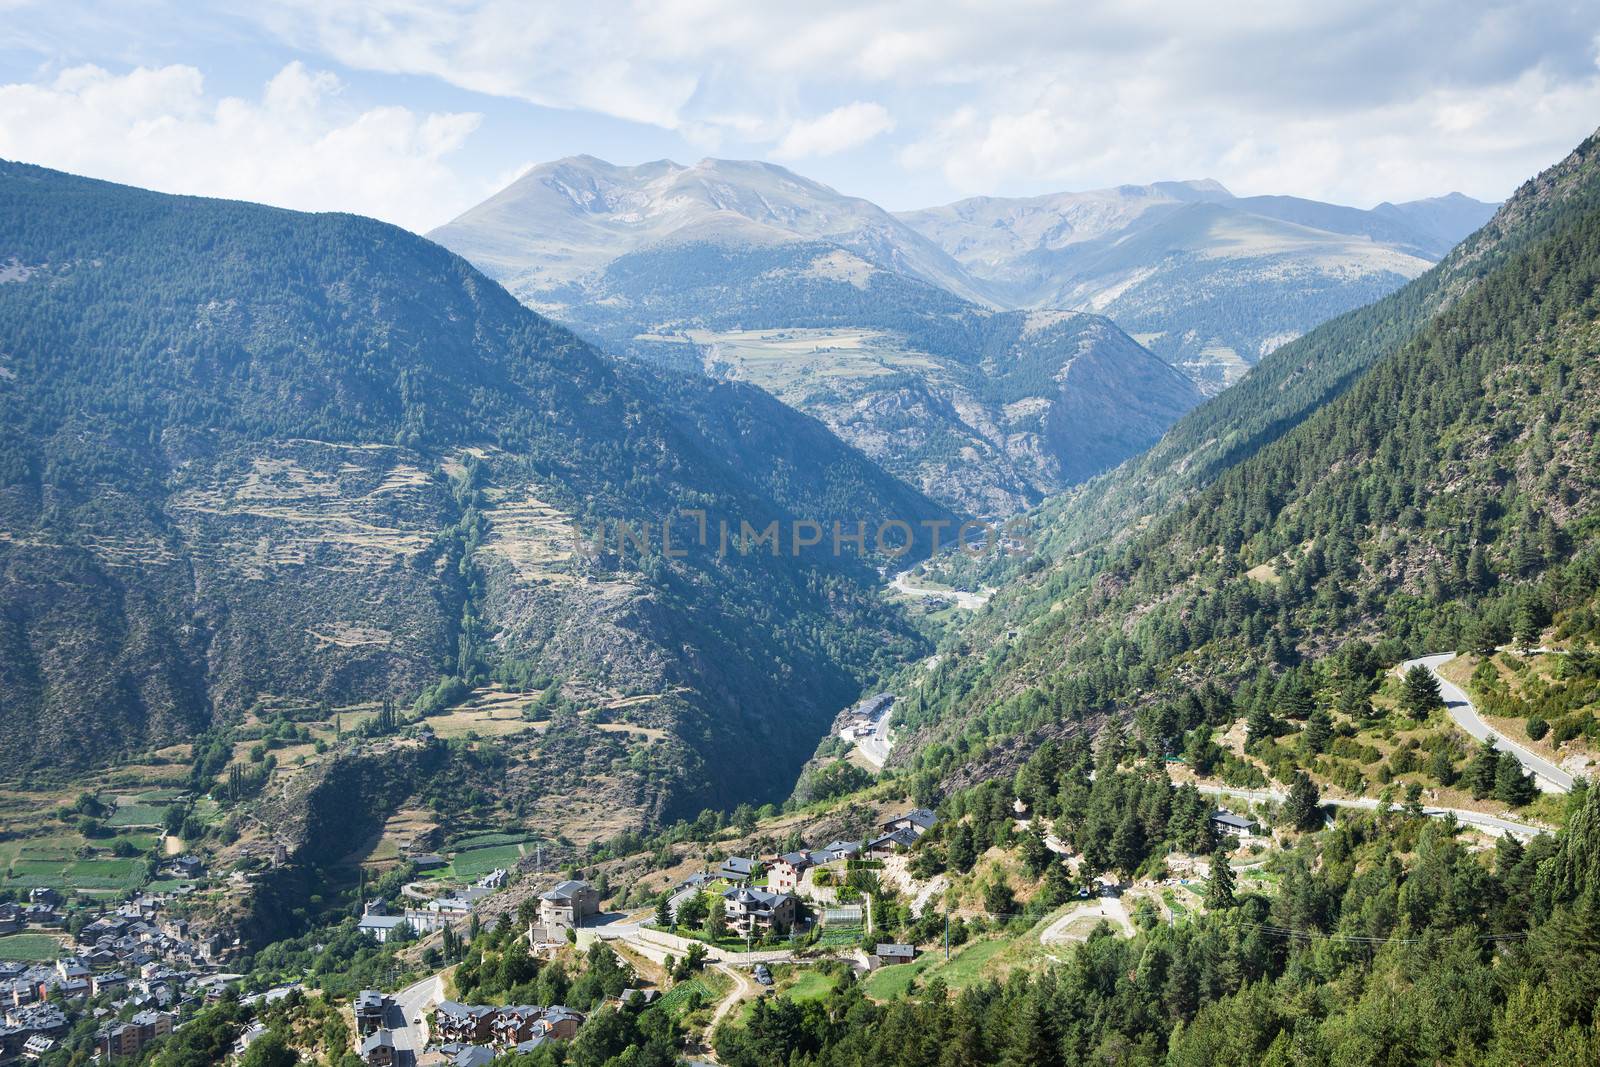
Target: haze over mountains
column 913, row 336
column 1209, row 281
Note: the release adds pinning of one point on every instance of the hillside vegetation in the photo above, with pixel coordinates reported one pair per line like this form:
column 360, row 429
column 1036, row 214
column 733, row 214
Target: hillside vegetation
column 248, row 453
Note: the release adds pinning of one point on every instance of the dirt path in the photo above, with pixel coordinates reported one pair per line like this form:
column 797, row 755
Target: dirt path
column 743, row 989
column 1102, row 907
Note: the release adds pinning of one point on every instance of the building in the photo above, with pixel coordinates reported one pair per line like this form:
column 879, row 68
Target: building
column 739, row 869
column 568, row 904
column 754, row 912
column 380, row 927
column 561, row 1022
column 784, row 875
column 834, row 851
column 515, row 1023
column 466, row 1023
column 887, row 955
column 897, row 840
column 1227, row 824
column 917, row 821
column 473, row 1056
column 377, row 1049
column 129, row 1039
column 371, row 1008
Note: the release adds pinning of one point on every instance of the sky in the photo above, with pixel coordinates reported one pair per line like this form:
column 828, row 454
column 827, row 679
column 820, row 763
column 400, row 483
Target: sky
column 414, row 110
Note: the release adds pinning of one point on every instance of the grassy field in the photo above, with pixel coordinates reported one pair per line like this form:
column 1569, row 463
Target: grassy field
column 711, row 986
column 809, row 984
column 29, row 947
column 972, row 963
column 137, row 814
column 474, row 863
column 488, row 840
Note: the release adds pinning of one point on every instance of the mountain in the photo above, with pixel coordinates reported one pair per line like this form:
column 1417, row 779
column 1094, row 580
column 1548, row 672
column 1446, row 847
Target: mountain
column 1424, row 491
column 1208, row 281
column 560, row 224
column 748, row 272
column 251, row 456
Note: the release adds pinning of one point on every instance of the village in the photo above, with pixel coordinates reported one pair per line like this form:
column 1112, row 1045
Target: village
column 139, row 963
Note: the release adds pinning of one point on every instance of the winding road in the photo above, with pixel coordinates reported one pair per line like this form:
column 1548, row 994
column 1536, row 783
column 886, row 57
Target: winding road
column 1493, row 823
column 969, row 601
column 1551, row 779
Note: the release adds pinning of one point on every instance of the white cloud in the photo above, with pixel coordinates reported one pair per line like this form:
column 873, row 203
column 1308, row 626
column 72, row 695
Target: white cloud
column 297, row 146
column 1357, row 100
column 842, row 128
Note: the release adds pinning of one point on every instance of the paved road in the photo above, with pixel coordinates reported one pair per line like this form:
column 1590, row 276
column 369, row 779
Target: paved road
column 1493, row 823
column 408, row 1019
column 969, row 601
column 876, row 745
column 1551, row 779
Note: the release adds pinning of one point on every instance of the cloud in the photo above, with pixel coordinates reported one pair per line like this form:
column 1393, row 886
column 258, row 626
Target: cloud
column 1355, row 101
column 842, row 128
column 298, row 146
column 999, row 98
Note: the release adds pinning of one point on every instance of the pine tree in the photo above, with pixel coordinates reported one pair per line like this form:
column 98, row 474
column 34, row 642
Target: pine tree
column 1219, row 893
column 1511, row 785
column 716, row 920
column 1036, row 855
column 1302, row 807
column 1481, row 772
column 1318, row 732
column 1260, row 726
column 1525, row 628
column 1056, row 890
column 663, row 912
column 1421, row 696
column 963, row 853
column 1441, row 766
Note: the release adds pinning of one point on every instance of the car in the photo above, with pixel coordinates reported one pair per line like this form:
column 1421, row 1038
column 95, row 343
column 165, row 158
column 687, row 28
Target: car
column 761, row 974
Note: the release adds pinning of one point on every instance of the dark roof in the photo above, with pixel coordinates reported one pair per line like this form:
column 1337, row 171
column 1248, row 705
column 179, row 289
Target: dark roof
column 738, row 865
column 565, row 890
column 886, row 949
column 379, row 1038
column 473, row 1056
column 901, row 836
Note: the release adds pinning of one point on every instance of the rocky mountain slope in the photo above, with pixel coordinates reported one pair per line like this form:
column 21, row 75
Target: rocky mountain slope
column 249, row 453
column 1429, row 487
column 549, row 232
column 1208, row 281
column 748, row 272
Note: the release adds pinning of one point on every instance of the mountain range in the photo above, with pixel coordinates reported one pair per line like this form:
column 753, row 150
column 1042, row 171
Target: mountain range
column 1209, row 281
column 904, row 334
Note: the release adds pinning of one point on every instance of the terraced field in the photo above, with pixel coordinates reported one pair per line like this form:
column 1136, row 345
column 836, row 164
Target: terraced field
column 473, row 864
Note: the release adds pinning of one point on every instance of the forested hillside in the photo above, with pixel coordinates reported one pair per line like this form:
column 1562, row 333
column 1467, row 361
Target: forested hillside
column 1386, row 941
column 1297, row 379
column 1443, row 494
column 249, row 453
